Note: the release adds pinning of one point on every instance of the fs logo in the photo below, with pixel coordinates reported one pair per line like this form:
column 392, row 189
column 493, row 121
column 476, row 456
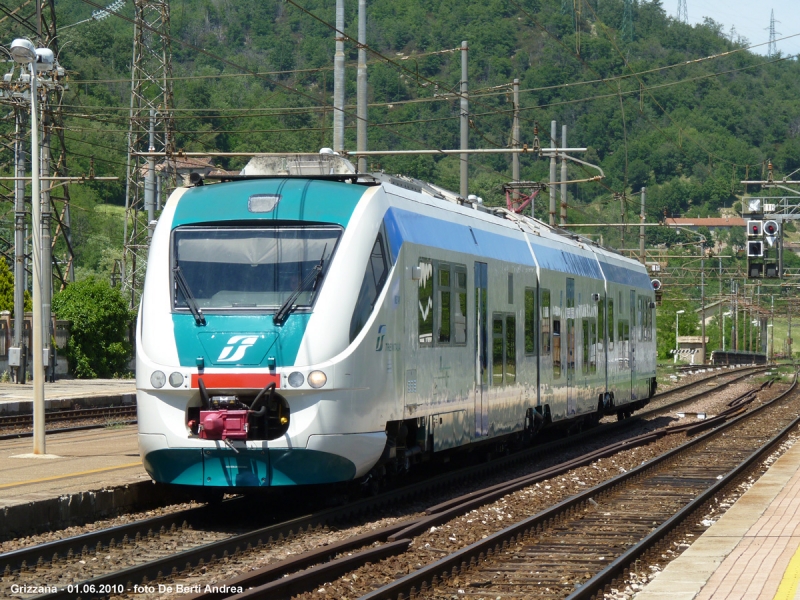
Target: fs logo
column 236, row 348
column 381, row 335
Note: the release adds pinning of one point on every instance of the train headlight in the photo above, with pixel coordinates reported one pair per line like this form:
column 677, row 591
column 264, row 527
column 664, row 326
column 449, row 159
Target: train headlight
column 316, row 379
column 296, row 379
column 175, row 379
column 158, row 379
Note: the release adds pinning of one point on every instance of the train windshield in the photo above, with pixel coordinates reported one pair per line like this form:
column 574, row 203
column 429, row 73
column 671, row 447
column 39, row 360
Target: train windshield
column 229, row 268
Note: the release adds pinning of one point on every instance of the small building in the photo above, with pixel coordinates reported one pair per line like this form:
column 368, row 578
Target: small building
column 690, row 349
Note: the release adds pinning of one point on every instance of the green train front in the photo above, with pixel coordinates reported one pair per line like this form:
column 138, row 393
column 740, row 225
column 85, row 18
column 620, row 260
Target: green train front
column 247, row 337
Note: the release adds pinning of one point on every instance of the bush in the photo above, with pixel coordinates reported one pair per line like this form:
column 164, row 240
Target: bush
column 99, row 318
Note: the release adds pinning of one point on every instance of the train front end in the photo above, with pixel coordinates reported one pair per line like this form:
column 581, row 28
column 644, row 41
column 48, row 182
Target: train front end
column 232, row 393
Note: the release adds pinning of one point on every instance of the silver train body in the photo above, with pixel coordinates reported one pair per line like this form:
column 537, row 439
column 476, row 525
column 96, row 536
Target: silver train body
column 307, row 330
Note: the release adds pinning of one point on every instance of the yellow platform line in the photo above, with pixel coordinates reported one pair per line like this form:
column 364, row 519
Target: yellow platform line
column 791, row 577
column 68, row 475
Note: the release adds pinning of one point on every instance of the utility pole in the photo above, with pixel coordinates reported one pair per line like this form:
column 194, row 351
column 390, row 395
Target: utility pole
column 683, row 12
column 702, row 290
column 19, row 248
column 464, row 190
column 641, row 230
column 150, row 177
column 564, row 176
column 772, row 47
column 151, row 88
column 46, row 249
column 338, row 80
column 361, row 82
column 552, row 187
column 515, row 144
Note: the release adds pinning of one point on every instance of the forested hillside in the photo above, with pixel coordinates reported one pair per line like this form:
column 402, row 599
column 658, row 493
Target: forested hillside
column 641, row 95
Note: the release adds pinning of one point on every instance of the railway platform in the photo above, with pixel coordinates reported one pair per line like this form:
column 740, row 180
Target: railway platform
column 68, row 393
column 84, row 475
column 751, row 553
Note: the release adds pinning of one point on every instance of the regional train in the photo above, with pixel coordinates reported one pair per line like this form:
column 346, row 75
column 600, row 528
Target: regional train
column 301, row 323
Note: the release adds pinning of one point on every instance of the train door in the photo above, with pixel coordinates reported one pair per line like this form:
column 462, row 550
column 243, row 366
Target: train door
column 481, row 350
column 572, row 406
column 632, row 345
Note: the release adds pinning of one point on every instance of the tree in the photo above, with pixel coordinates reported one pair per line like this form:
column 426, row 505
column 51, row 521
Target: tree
column 99, row 318
column 7, row 290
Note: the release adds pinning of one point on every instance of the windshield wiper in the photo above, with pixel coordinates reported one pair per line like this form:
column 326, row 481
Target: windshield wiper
column 183, row 286
column 289, row 304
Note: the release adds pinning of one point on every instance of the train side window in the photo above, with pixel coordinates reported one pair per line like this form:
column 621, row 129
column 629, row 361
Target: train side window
column 511, row 349
column 585, row 346
column 601, row 321
column 530, row 321
column 648, row 320
column 371, row 286
column 497, row 351
column 444, row 313
column 640, row 318
column 610, row 324
column 589, row 345
column 425, row 303
column 556, row 348
column 459, row 308
column 545, row 321
column 511, row 288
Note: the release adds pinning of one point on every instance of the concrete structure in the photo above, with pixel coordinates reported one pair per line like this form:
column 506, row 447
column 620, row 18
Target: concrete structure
column 691, row 348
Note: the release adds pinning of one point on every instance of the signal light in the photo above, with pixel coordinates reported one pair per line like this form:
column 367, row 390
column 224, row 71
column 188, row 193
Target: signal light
column 754, row 270
column 771, row 228
column 771, row 270
column 656, row 284
column 754, row 229
column 755, row 248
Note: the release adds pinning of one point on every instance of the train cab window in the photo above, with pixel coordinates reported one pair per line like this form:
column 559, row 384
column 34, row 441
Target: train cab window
column 459, row 308
column 425, row 303
column 556, row 348
column 443, row 307
column 544, row 321
column 371, row 286
column 530, row 321
column 610, row 324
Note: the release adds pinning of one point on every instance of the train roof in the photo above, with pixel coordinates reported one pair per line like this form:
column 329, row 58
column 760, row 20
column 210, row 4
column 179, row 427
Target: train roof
column 329, row 166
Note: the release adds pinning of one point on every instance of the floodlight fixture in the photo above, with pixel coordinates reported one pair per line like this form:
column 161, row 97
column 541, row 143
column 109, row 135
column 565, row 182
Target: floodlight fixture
column 23, row 51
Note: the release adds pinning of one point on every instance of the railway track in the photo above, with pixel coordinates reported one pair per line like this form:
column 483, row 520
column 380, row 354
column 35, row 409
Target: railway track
column 20, row 425
column 143, row 537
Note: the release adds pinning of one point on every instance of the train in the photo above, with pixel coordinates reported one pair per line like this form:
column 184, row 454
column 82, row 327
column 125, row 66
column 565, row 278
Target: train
column 301, row 323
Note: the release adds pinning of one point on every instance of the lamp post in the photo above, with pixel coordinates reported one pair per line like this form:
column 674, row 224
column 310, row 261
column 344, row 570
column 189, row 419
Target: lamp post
column 680, row 312
column 24, row 53
column 725, row 314
column 771, row 331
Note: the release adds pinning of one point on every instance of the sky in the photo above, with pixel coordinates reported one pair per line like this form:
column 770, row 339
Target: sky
column 751, row 19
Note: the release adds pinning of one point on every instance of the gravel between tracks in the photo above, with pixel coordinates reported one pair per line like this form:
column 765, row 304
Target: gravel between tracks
column 426, row 548
column 469, row 528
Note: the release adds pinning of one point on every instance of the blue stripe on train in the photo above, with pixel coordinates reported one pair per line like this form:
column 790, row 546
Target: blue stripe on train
column 405, row 226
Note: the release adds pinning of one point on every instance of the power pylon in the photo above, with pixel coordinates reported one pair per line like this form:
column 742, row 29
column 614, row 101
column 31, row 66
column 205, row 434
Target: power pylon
column 626, row 30
column 683, row 12
column 151, row 128
column 772, row 47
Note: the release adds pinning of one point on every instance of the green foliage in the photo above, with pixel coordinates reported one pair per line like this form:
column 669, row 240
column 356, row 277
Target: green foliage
column 689, row 136
column 99, row 318
column 7, row 290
